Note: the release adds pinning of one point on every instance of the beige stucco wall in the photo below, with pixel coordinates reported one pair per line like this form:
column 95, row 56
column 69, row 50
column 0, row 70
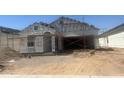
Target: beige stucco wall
column 3, row 40
column 9, row 40
column 39, row 41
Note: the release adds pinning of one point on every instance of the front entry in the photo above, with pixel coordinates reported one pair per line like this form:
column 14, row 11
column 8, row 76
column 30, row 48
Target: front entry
column 47, row 43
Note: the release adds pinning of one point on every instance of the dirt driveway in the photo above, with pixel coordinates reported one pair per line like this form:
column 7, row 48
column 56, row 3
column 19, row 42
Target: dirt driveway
column 100, row 63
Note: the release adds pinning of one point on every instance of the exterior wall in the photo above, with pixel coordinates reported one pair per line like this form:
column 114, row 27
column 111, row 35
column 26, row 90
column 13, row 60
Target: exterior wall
column 80, row 33
column 3, row 40
column 39, row 44
column 96, row 42
column 103, row 42
column 16, row 45
column 9, row 40
column 115, row 40
column 23, row 45
column 47, row 43
column 39, row 34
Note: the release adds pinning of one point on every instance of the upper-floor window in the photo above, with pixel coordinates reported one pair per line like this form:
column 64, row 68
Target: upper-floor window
column 35, row 27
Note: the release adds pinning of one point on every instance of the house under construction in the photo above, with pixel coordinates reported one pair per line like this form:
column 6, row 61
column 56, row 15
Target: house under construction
column 62, row 34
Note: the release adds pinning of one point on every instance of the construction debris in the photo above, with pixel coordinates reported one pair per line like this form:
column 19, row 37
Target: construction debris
column 8, row 54
column 83, row 53
column 2, row 68
column 79, row 62
column 11, row 61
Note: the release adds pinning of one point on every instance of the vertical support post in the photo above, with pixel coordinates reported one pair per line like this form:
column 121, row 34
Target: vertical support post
column 42, row 47
column 53, row 43
column 60, row 43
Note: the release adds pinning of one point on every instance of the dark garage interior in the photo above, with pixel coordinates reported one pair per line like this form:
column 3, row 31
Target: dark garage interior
column 71, row 43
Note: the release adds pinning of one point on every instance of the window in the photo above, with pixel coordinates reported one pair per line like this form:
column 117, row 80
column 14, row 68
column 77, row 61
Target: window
column 30, row 44
column 31, row 41
column 35, row 27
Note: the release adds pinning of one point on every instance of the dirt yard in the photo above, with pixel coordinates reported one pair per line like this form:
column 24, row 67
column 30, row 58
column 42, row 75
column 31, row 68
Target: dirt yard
column 86, row 63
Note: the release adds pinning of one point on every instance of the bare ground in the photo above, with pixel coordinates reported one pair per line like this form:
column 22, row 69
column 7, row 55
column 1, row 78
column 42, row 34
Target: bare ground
column 90, row 62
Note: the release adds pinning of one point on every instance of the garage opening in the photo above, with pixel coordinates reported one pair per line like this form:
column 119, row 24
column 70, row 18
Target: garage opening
column 71, row 43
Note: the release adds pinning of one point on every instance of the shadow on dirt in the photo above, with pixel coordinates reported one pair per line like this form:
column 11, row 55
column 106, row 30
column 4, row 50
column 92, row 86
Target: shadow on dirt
column 90, row 51
column 104, row 49
column 2, row 68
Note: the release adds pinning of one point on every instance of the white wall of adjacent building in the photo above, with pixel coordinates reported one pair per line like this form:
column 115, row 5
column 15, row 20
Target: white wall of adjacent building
column 114, row 40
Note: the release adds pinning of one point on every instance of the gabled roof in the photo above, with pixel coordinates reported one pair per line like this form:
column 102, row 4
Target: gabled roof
column 73, row 21
column 117, row 29
column 9, row 30
column 38, row 23
column 45, row 24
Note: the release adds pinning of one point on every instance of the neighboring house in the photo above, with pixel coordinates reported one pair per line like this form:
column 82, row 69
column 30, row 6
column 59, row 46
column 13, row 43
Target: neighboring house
column 112, row 38
column 64, row 33
column 9, row 38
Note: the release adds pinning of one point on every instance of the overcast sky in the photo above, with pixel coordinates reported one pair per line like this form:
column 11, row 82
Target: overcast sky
column 22, row 21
